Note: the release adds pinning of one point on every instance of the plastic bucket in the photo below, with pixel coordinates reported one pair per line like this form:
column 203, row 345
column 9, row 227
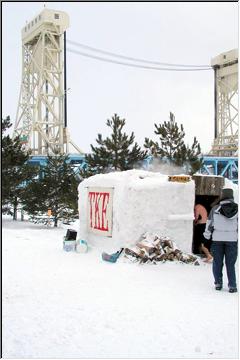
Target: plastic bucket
column 81, row 246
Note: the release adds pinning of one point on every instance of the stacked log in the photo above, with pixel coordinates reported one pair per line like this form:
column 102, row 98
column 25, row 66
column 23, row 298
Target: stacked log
column 153, row 248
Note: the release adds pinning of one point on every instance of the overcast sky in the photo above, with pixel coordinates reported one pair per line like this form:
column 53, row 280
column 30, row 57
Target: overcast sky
column 179, row 33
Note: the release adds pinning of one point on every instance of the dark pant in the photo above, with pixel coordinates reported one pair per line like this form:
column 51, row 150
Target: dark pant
column 227, row 249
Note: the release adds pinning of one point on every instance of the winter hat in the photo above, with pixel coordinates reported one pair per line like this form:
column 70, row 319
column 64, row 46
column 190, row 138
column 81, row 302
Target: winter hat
column 227, row 194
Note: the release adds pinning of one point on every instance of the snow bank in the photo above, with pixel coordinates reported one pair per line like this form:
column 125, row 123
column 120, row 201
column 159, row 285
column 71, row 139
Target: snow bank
column 138, row 201
column 230, row 185
column 65, row 305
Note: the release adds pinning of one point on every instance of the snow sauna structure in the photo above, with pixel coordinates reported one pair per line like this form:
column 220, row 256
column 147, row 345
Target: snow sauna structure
column 115, row 209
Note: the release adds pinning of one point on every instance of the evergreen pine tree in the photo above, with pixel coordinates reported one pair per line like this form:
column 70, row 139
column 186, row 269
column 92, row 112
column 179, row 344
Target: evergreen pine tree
column 55, row 190
column 172, row 148
column 16, row 173
column 115, row 153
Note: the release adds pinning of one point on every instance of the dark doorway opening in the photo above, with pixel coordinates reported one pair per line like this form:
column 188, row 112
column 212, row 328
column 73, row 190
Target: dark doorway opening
column 208, row 201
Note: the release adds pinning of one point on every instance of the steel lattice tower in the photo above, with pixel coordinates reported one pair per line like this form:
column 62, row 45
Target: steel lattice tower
column 225, row 68
column 41, row 120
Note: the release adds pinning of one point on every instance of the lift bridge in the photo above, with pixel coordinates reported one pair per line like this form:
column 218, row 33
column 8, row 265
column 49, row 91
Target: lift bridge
column 223, row 157
column 41, row 120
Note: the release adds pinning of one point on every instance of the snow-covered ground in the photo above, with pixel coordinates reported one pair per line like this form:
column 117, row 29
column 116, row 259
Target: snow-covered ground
column 59, row 304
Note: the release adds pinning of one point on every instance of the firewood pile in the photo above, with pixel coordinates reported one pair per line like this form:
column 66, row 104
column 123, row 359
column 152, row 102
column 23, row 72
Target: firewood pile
column 153, row 248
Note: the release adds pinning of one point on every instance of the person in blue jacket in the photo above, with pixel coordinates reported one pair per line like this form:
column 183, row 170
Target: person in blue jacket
column 222, row 227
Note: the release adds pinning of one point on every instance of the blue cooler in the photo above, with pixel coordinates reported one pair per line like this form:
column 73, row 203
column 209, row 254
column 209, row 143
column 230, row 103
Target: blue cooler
column 69, row 245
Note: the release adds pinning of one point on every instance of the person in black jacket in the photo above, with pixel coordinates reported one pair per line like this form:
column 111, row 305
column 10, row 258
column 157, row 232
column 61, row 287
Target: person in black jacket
column 222, row 226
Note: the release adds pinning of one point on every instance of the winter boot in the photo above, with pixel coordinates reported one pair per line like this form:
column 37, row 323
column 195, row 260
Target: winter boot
column 232, row 290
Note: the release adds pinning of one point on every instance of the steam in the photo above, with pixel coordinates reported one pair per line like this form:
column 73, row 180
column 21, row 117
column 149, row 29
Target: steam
column 164, row 168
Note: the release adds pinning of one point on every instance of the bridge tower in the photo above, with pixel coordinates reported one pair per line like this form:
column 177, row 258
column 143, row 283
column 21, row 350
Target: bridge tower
column 41, row 120
column 225, row 68
column 223, row 157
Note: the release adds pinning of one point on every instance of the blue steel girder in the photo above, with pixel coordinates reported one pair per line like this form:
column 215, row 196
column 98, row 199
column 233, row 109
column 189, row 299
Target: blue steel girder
column 229, row 166
column 224, row 166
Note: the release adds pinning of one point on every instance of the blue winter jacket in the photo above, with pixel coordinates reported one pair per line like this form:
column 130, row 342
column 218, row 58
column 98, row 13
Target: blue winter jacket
column 222, row 223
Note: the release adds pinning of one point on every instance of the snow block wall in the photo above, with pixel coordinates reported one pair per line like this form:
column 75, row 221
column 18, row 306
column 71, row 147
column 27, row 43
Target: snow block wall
column 115, row 209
